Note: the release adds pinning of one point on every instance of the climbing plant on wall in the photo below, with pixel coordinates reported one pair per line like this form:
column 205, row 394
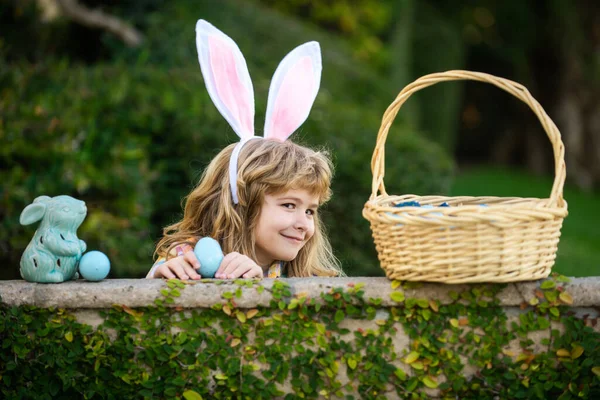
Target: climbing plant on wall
column 299, row 347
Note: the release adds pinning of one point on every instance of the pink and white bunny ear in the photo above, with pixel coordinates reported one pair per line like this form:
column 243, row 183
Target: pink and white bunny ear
column 293, row 91
column 227, row 78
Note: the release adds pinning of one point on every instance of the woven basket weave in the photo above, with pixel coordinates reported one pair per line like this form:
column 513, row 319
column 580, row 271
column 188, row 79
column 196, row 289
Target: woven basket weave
column 475, row 239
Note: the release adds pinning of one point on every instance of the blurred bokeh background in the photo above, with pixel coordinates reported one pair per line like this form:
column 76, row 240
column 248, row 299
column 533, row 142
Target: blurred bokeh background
column 104, row 101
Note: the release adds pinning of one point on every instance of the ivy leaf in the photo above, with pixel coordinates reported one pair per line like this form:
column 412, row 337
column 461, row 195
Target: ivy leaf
column 191, row 395
column 241, row 316
column 221, row 377
column 227, row 309
column 423, row 303
column 399, row 372
column 563, row 353
column 251, row 313
column 411, row 357
column 352, row 363
column 566, row 298
column 534, row 301
column 426, row 314
column 171, row 283
column 69, row 336
column 235, row 342
column 434, row 305
column 554, row 311
column 398, row 297
column 412, row 384
column 596, row 371
column 417, row 365
column 430, row 382
column 544, row 323
column 454, row 322
column 576, row 352
column 321, row 328
column 339, row 316
column 551, row 296
column 321, row 341
column 547, row 285
column 396, row 284
column 293, row 304
column 227, row 295
column 376, row 301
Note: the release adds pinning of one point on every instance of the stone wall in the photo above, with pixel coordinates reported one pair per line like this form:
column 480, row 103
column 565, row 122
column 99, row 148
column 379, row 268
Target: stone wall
column 133, row 293
column 381, row 305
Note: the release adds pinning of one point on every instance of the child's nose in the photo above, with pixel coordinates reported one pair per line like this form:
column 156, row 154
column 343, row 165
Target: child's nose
column 301, row 221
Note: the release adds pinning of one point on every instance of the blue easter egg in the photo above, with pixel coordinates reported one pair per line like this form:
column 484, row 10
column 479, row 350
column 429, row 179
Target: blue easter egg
column 408, row 204
column 94, row 266
column 209, row 253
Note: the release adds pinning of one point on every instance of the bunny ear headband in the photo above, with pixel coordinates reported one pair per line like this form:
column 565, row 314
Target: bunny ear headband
column 292, row 93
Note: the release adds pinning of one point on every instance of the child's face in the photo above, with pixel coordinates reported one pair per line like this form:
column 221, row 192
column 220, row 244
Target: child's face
column 285, row 224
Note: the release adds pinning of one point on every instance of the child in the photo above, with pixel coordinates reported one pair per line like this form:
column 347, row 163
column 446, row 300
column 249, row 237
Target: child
column 257, row 198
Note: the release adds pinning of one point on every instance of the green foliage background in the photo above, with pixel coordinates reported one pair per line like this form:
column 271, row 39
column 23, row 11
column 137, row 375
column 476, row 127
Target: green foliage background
column 129, row 130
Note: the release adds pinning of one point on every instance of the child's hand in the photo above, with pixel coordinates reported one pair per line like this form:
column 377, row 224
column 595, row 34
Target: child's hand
column 236, row 265
column 183, row 267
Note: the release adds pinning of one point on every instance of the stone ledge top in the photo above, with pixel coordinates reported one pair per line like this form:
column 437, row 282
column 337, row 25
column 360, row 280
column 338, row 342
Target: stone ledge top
column 204, row 294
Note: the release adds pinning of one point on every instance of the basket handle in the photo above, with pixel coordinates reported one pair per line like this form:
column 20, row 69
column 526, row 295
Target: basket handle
column 516, row 89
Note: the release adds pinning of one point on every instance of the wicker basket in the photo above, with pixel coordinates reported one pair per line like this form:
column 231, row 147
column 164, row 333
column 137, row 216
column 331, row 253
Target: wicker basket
column 475, row 239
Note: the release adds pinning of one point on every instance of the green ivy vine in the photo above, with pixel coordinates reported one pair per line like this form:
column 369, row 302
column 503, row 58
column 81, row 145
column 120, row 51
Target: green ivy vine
column 300, row 348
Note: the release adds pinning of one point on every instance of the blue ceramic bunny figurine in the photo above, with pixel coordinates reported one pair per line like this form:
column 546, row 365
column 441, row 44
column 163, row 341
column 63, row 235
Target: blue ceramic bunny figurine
column 53, row 254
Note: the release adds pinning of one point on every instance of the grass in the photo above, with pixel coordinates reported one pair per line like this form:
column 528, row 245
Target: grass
column 579, row 247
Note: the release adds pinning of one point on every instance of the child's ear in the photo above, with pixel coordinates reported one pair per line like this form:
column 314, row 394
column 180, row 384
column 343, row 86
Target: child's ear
column 226, row 77
column 293, row 91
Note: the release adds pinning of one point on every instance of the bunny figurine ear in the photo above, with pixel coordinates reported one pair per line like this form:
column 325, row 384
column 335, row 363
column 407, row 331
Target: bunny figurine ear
column 293, row 91
column 32, row 213
column 226, row 77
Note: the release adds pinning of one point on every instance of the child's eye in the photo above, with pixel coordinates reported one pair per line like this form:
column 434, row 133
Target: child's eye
column 290, row 206
column 311, row 212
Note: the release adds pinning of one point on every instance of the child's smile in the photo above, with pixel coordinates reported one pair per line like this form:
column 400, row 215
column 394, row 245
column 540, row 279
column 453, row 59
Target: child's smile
column 285, row 224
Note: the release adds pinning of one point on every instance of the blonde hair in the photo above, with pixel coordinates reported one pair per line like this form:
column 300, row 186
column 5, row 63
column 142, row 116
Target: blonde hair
column 264, row 167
